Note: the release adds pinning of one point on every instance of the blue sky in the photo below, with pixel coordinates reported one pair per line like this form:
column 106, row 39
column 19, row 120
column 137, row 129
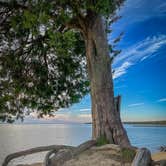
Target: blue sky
column 140, row 70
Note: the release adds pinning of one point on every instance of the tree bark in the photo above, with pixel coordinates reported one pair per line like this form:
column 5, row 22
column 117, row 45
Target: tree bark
column 105, row 120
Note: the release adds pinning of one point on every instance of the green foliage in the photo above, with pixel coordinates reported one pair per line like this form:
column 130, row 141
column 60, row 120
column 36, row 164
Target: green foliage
column 42, row 61
column 128, row 154
column 102, row 141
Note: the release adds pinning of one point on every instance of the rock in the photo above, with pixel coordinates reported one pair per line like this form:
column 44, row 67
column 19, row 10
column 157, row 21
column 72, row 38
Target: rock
column 142, row 158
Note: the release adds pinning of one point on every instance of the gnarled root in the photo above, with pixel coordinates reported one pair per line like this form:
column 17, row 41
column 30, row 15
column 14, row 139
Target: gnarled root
column 66, row 154
column 31, row 151
column 61, row 152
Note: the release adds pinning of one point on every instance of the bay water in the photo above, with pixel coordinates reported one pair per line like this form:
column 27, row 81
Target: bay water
column 17, row 137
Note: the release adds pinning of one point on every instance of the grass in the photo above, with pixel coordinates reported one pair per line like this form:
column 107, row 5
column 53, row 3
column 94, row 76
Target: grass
column 128, row 154
column 102, row 141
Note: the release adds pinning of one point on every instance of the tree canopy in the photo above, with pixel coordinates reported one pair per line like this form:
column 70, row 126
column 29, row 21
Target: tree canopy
column 42, row 53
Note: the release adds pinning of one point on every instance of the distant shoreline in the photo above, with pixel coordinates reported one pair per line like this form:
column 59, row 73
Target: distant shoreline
column 147, row 123
column 143, row 123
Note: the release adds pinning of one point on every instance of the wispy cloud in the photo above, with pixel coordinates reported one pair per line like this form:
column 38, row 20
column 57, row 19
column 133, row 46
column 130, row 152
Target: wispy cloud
column 162, row 100
column 85, row 110
column 121, row 70
column 138, row 53
column 139, row 10
column 135, row 104
column 142, row 49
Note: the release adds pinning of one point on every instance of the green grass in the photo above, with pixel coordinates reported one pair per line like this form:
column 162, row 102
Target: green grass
column 102, row 141
column 128, row 154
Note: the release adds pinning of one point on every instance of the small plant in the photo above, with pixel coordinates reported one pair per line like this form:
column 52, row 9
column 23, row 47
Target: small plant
column 128, row 154
column 102, row 141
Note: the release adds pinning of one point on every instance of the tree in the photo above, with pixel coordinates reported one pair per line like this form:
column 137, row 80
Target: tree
column 46, row 48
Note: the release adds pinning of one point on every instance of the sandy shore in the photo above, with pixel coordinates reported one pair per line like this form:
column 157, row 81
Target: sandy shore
column 159, row 156
column 97, row 156
column 101, row 158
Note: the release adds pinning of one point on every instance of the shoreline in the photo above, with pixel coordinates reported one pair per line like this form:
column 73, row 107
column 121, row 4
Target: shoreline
column 147, row 122
column 156, row 157
column 153, row 123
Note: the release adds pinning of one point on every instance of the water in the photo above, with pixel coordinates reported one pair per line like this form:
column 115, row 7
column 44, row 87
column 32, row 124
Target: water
column 14, row 138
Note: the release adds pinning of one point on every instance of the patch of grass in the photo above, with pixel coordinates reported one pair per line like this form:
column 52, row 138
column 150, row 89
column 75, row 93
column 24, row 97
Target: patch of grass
column 102, row 141
column 128, row 154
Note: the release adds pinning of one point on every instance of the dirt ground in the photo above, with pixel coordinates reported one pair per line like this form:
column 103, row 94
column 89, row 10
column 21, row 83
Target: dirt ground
column 107, row 155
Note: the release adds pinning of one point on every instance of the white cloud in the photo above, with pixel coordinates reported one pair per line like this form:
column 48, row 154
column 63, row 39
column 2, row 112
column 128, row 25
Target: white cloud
column 135, row 104
column 85, row 110
column 79, row 118
column 162, row 100
column 138, row 53
column 66, row 116
column 143, row 48
column 141, row 10
column 121, row 70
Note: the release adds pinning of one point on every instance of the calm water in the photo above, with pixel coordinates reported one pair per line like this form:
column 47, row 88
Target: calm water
column 19, row 137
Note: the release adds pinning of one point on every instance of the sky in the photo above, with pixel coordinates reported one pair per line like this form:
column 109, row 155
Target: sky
column 140, row 69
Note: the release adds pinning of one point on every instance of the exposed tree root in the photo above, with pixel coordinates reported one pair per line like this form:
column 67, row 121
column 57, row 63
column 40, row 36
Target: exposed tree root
column 31, row 151
column 61, row 156
column 61, row 153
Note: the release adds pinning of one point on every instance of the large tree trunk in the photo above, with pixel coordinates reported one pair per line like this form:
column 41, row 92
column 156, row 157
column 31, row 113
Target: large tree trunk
column 106, row 121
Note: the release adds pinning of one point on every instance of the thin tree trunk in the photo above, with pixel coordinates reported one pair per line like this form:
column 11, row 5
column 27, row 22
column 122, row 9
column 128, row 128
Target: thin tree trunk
column 106, row 121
